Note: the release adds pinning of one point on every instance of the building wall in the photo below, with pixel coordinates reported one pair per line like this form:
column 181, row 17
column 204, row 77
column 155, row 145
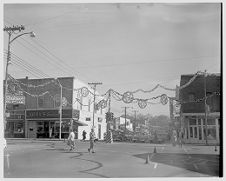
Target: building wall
column 86, row 112
column 193, row 114
column 51, row 101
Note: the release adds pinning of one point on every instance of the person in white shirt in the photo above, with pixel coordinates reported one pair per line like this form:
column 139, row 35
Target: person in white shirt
column 71, row 140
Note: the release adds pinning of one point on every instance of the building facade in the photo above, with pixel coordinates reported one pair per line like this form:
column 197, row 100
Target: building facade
column 119, row 123
column 33, row 109
column 198, row 118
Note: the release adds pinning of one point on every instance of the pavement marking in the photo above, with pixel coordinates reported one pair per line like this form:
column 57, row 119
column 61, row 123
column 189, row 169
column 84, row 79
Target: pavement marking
column 196, row 167
column 155, row 166
column 7, row 160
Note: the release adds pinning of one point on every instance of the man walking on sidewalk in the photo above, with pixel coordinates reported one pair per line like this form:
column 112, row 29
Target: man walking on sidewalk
column 91, row 138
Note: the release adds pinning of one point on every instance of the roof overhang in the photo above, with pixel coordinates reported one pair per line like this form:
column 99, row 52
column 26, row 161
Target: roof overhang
column 79, row 123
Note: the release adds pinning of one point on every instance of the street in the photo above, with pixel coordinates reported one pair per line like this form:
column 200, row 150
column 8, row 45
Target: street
column 52, row 159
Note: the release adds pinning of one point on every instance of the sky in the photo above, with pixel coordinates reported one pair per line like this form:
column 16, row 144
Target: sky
column 125, row 46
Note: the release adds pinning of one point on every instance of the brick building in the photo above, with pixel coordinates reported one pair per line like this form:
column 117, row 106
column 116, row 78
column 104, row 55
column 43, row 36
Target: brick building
column 193, row 109
column 32, row 109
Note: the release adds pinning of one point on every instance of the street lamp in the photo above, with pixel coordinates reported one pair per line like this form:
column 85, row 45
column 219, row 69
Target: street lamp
column 61, row 95
column 10, row 31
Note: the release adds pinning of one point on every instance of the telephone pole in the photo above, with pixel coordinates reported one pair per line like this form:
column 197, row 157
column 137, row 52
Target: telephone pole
column 11, row 30
column 94, row 84
column 135, row 112
column 206, row 128
column 125, row 119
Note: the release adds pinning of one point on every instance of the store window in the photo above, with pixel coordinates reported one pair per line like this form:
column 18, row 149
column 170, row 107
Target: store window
column 191, row 132
column 18, row 127
column 211, row 133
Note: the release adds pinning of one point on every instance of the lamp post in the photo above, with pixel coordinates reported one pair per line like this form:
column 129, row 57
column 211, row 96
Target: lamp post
column 10, row 31
column 60, row 111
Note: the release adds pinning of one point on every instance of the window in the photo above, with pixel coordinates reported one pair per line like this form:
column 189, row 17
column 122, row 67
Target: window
column 18, row 128
column 191, row 97
column 100, row 119
column 88, row 119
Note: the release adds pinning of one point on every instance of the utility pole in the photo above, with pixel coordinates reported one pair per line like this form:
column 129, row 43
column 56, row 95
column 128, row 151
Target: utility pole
column 94, row 95
column 10, row 31
column 135, row 111
column 109, row 109
column 206, row 128
column 125, row 119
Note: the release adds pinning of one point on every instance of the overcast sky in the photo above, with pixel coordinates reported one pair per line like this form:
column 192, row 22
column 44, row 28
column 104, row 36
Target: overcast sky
column 124, row 46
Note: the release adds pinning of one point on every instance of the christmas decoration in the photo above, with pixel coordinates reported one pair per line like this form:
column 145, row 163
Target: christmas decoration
column 127, row 97
column 164, row 99
column 84, row 91
column 142, row 103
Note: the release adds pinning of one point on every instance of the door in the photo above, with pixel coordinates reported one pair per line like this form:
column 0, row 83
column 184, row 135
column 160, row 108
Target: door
column 99, row 131
column 32, row 129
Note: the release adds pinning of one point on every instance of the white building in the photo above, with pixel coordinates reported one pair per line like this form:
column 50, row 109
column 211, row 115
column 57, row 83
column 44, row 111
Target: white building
column 85, row 106
column 120, row 123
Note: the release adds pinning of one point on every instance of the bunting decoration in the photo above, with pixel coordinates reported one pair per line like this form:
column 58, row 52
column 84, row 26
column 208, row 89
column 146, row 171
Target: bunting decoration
column 127, row 97
column 142, row 103
column 164, row 99
column 84, row 91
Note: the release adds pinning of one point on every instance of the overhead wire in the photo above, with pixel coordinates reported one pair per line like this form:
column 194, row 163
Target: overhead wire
column 20, row 62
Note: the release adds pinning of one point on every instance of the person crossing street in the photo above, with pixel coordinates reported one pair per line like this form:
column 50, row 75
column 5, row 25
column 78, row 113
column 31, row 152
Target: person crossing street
column 91, row 138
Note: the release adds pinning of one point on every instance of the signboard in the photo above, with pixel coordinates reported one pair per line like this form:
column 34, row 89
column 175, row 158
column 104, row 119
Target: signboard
column 76, row 114
column 15, row 99
column 53, row 113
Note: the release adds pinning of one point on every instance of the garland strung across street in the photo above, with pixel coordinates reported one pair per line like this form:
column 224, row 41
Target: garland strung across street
column 127, row 97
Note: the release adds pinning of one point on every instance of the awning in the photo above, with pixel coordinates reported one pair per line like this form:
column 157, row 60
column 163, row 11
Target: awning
column 79, row 123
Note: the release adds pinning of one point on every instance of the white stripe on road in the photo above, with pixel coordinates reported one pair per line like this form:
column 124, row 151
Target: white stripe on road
column 155, row 166
column 196, row 167
column 7, row 160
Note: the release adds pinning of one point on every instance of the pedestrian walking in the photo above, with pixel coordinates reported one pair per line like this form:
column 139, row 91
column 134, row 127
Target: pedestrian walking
column 84, row 135
column 180, row 139
column 174, row 137
column 91, row 138
column 71, row 140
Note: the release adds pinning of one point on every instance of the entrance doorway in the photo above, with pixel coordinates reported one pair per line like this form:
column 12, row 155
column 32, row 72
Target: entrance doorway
column 99, row 131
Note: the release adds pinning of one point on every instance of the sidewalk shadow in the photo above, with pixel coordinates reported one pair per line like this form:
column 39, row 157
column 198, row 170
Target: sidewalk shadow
column 202, row 163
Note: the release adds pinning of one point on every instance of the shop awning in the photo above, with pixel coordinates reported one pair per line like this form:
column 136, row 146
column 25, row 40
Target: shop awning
column 79, row 123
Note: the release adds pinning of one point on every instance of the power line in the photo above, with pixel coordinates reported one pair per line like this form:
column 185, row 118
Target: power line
column 46, row 58
column 33, row 68
column 19, row 65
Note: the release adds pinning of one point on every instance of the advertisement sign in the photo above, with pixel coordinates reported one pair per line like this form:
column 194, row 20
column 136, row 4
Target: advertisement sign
column 15, row 99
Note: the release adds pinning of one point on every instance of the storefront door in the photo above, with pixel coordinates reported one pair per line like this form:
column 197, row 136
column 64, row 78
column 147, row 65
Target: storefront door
column 99, row 131
column 32, row 129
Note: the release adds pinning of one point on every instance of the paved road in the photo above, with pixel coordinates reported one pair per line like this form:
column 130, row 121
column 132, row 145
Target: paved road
column 50, row 159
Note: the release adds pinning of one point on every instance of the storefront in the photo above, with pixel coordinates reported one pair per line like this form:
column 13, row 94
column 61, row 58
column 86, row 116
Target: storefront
column 15, row 125
column 195, row 128
column 46, row 123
